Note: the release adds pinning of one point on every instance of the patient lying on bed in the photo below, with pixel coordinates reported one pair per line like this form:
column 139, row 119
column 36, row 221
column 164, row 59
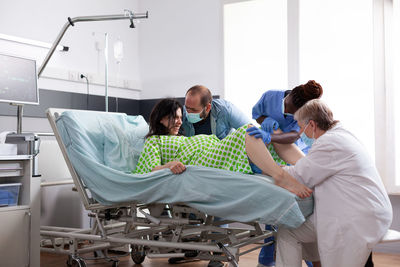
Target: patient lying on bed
column 165, row 149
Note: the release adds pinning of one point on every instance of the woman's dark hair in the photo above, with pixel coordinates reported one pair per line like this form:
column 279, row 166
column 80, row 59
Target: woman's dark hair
column 166, row 107
column 303, row 93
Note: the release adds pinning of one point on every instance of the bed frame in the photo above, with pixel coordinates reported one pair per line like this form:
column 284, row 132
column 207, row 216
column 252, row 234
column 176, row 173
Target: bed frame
column 170, row 230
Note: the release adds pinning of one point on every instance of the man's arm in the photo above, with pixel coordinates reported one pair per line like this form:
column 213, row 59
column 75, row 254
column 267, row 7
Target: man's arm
column 236, row 118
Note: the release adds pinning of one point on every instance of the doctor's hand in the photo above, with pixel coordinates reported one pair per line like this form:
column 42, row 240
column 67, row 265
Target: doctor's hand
column 269, row 125
column 176, row 167
column 258, row 133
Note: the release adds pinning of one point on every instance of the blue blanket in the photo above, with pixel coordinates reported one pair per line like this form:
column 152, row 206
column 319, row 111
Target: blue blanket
column 104, row 148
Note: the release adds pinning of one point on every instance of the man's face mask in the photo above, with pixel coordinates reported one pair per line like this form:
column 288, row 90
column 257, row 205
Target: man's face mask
column 194, row 117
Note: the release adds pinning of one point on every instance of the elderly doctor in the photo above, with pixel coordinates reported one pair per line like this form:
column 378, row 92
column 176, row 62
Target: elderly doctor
column 352, row 211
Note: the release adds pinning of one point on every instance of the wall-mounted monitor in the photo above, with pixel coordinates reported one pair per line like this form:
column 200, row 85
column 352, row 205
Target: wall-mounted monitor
column 18, row 80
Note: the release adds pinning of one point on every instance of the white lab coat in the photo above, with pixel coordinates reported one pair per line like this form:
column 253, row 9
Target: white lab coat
column 351, row 207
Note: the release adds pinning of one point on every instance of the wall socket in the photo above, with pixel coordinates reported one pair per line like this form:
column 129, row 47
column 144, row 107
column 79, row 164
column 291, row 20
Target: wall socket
column 89, row 76
column 126, row 83
column 73, row 76
column 94, row 78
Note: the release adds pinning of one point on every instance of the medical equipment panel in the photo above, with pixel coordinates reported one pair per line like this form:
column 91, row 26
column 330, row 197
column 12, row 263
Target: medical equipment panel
column 27, row 144
column 18, row 80
column 9, row 194
column 19, row 211
column 11, row 169
column 14, row 234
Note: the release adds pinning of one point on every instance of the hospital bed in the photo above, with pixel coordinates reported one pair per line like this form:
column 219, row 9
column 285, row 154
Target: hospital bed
column 160, row 215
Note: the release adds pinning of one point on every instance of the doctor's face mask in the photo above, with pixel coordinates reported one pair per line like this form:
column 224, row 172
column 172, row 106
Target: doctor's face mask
column 307, row 140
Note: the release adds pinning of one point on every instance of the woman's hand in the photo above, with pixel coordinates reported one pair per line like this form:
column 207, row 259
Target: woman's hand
column 176, row 167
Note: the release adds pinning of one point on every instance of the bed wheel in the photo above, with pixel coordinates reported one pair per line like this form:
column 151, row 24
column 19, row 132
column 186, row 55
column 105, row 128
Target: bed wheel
column 81, row 263
column 75, row 262
column 137, row 255
column 175, row 260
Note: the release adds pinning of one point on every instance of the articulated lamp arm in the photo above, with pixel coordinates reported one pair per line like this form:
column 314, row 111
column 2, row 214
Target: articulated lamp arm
column 71, row 22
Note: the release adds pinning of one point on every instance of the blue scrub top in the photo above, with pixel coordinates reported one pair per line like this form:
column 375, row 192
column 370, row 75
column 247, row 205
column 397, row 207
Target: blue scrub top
column 270, row 105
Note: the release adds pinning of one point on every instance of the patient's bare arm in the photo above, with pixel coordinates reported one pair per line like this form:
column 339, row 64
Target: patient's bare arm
column 290, row 153
column 175, row 166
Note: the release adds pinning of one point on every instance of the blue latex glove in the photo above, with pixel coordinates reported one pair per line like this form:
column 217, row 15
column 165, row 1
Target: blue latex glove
column 258, row 133
column 254, row 168
column 269, row 125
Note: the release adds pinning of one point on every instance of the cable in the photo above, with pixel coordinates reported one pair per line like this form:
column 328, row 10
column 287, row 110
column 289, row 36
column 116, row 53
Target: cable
column 87, row 93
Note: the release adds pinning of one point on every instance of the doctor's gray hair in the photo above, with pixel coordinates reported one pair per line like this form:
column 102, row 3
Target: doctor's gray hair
column 317, row 111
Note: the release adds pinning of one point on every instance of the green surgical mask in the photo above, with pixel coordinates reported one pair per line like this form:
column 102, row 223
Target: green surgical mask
column 193, row 117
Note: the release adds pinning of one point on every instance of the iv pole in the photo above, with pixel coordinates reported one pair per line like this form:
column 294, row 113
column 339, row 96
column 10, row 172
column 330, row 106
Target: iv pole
column 106, row 70
column 71, row 22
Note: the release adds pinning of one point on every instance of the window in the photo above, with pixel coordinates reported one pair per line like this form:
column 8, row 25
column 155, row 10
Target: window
column 336, row 50
column 350, row 47
column 387, row 86
column 255, row 50
column 396, row 85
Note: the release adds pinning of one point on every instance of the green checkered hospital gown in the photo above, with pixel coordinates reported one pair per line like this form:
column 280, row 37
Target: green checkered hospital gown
column 199, row 150
column 275, row 156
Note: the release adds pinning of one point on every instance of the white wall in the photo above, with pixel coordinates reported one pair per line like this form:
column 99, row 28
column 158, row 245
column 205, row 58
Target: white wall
column 181, row 44
column 42, row 20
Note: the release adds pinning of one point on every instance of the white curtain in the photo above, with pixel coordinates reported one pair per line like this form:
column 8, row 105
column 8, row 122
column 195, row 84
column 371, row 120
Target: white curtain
column 387, row 96
column 396, row 89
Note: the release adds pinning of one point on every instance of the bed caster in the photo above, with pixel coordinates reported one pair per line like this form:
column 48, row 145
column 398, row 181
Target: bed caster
column 175, row 260
column 137, row 255
column 75, row 262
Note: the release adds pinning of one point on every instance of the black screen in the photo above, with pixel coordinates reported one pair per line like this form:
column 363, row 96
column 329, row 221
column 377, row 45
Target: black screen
column 18, row 80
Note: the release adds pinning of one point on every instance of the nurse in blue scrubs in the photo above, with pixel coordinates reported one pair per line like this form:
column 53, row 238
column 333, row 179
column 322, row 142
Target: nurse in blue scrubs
column 274, row 111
